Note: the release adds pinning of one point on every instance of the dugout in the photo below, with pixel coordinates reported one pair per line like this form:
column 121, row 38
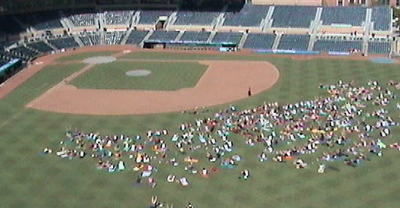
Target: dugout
column 9, row 69
column 191, row 45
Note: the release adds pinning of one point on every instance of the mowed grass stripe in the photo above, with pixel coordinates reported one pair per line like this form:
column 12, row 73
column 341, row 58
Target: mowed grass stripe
column 82, row 56
column 165, row 76
column 12, row 104
column 30, row 180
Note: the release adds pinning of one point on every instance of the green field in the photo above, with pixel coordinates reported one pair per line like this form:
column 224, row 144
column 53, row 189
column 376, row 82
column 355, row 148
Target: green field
column 29, row 179
column 81, row 56
column 165, row 76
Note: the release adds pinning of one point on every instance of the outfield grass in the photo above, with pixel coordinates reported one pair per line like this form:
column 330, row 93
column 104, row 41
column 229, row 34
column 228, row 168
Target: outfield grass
column 28, row 179
column 165, row 76
column 82, row 56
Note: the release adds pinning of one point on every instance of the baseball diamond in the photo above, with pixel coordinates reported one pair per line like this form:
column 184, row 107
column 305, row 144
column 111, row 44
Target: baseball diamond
column 199, row 104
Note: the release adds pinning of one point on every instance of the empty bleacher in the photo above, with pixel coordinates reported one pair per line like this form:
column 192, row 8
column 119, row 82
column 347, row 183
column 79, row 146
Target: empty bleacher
column 195, row 36
column 195, row 18
column 135, row 37
column 113, row 38
column 354, row 16
column 337, row 45
column 5, row 57
column 118, row 17
column 379, row 47
column 225, row 37
column 90, row 39
column 293, row 16
column 82, row 18
column 294, row 42
column 259, row 41
column 151, row 17
column 249, row 16
column 381, row 16
column 40, row 46
column 24, row 52
column 63, row 43
column 41, row 21
column 163, row 35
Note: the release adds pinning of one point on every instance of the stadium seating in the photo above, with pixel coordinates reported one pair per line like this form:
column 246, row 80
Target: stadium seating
column 47, row 21
column 113, row 38
column 66, row 42
column 5, row 57
column 90, row 39
column 118, row 17
column 259, row 41
column 81, row 19
column 354, row 16
column 24, row 52
column 223, row 37
column 40, row 46
column 294, row 42
column 293, row 16
column 195, row 36
column 159, row 35
column 151, row 17
column 249, row 16
column 41, row 21
column 136, row 37
column 379, row 47
column 195, row 18
column 337, row 45
column 381, row 16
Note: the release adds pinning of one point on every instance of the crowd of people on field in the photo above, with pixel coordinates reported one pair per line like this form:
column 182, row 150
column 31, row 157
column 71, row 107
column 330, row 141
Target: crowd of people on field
column 351, row 125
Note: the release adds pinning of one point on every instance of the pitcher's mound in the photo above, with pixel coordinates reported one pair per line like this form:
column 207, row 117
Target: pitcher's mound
column 99, row 60
column 138, row 73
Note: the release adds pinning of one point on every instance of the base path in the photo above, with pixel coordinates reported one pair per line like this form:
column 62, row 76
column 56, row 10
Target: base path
column 223, row 82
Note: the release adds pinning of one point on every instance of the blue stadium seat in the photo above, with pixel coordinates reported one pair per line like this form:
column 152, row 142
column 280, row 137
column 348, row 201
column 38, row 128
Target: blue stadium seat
column 337, row 45
column 223, row 37
column 294, row 42
column 293, row 16
column 259, row 41
column 379, row 47
column 249, row 16
column 195, row 18
column 354, row 16
column 195, row 36
column 381, row 16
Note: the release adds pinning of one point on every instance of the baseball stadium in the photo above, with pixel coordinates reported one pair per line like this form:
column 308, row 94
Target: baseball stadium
column 199, row 104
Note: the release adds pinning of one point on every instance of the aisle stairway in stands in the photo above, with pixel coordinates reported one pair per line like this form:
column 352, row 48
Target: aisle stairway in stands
column 314, row 28
column 125, row 38
column 267, row 22
column 367, row 30
column 243, row 40
column 277, row 40
column 135, row 19
column 212, row 35
column 179, row 36
column 149, row 34
column 78, row 40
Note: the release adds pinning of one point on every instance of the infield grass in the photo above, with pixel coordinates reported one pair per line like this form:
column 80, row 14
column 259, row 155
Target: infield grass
column 165, row 76
column 28, row 179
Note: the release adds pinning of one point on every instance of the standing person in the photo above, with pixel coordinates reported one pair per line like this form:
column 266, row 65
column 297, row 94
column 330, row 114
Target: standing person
column 249, row 92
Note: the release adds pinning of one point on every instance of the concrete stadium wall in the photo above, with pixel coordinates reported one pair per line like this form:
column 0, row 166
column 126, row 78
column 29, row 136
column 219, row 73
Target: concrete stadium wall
column 240, row 29
column 335, row 30
column 190, row 27
column 289, row 30
column 288, row 2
